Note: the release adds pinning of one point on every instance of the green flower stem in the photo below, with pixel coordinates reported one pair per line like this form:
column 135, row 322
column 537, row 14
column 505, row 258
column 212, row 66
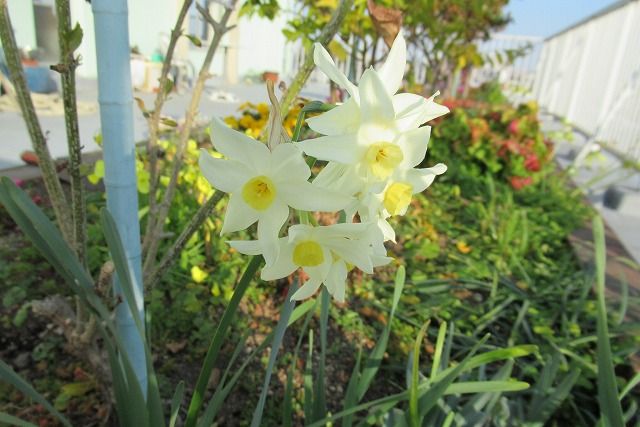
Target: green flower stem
column 67, row 70
column 47, row 166
column 304, row 72
column 218, row 339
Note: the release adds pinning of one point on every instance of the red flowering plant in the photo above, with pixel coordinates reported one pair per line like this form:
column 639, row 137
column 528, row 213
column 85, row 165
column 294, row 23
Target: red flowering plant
column 501, row 140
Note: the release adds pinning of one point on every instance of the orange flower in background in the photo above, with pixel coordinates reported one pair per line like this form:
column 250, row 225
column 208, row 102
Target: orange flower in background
column 519, row 182
column 463, row 247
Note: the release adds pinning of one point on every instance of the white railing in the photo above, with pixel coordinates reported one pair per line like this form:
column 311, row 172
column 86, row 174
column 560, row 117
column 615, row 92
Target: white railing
column 517, row 76
column 590, row 75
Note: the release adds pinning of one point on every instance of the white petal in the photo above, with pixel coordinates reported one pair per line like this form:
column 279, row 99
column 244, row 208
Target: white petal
column 308, row 197
column 376, row 105
column 392, row 70
column 246, row 247
column 420, row 179
column 414, row 110
column 339, row 177
column 324, row 61
column 238, row 216
column 238, row 146
column 356, row 252
column 414, row 146
column 287, row 158
column 335, row 281
column 339, row 148
column 308, row 289
column 269, row 224
column 225, row 175
column 283, row 265
column 387, row 230
column 339, row 120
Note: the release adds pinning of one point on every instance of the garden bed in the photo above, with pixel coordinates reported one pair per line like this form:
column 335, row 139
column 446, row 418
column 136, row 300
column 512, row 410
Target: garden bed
column 483, row 251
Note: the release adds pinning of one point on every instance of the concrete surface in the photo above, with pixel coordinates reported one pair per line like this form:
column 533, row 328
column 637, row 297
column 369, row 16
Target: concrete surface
column 602, row 176
column 14, row 138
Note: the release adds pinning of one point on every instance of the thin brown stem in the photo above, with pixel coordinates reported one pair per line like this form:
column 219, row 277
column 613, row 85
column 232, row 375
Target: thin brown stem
column 154, row 117
column 174, row 252
column 304, row 72
column 158, row 217
column 67, row 70
column 49, row 174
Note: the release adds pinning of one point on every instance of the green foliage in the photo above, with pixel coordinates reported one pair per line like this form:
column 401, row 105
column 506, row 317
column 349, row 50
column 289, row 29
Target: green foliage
column 498, row 140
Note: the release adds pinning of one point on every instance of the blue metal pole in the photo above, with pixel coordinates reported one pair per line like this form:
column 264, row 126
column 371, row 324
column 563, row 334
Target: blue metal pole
column 116, row 115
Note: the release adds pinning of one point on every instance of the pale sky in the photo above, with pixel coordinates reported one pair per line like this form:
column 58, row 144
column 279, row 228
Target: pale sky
column 546, row 17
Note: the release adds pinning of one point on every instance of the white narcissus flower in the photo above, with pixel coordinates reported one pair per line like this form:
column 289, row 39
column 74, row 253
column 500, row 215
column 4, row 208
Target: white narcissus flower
column 394, row 198
column 263, row 184
column 379, row 146
column 324, row 253
column 411, row 110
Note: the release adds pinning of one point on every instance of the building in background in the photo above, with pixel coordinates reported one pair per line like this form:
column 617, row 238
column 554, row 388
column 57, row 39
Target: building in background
column 254, row 46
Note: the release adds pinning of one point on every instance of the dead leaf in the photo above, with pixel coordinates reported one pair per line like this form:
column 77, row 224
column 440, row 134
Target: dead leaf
column 176, row 346
column 386, row 21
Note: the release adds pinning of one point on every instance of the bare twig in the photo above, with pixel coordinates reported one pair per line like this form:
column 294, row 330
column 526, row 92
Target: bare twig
column 154, row 117
column 57, row 310
column 304, row 72
column 152, row 238
column 49, row 175
column 67, row 70
column 172, row 254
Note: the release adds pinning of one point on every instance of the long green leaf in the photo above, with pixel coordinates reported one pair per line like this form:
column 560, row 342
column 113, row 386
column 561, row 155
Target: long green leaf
column 218, row 339
column 308, row 382
column 610, row 408
column 437, row 356
column 443, row 380
column 9, row 375
column 287, row 406
column 492, row 356
column 126, row 278
column 414, row 416
column 485, row 387
column 351, row 398
column 372, row 363
column 285, row 313
column 221, row 393
column 14, row 421
column 176, row 401
column 545, row 408
column 319, row 401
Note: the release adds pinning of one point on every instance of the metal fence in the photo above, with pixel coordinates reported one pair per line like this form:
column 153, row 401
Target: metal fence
column 516, row 76
column 590, row 75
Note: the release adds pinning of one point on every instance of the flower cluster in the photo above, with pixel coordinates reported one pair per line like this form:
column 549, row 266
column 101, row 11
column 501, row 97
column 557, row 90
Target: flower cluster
column 372, row 143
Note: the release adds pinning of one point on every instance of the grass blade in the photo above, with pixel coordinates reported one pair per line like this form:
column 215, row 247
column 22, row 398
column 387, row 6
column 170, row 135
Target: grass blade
column 221, row 393
column 285, row 313
column 437, row 356
column 485, row 387
column 610, row 408
column 351, row 398
column 308, row 382
column 414, row 416
column 14, row 421
column 218, row 338
column 320, row 403
column 9, row 375
column 176, row 401
column 372, row 363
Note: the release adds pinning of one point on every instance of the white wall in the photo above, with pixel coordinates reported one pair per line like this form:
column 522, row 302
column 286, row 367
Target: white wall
column 590, row 75
column 23, row 21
